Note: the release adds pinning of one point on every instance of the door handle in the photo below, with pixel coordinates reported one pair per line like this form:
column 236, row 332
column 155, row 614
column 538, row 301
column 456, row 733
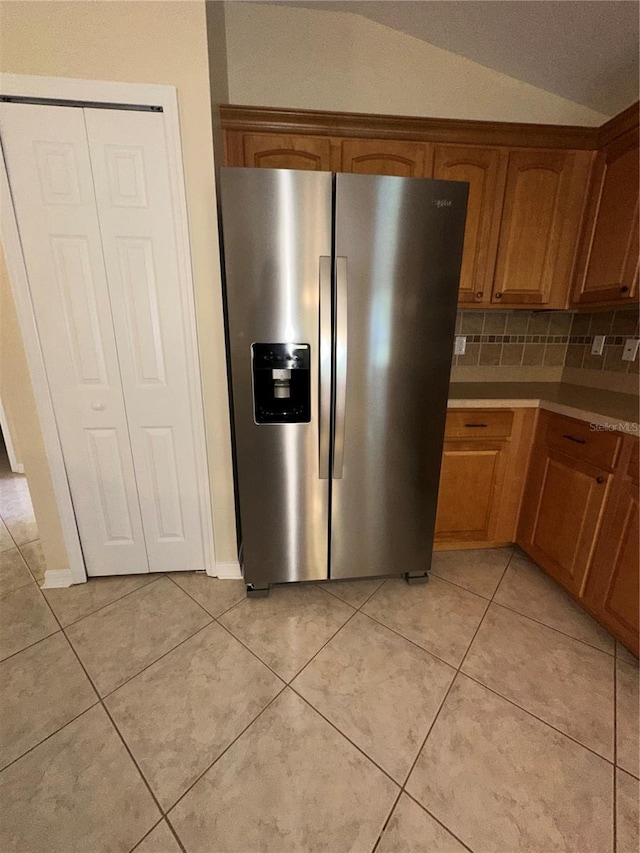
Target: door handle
column 341, row 367
column 573, row 438
column 97, row 406
column 324, row 390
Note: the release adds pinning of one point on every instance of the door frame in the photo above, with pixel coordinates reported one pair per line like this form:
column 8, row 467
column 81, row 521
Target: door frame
column 16, row 466
column 115, row 94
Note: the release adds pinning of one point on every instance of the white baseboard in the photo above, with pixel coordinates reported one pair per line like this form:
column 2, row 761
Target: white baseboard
column 227, row 571
column 19, row 469
column 57, row 578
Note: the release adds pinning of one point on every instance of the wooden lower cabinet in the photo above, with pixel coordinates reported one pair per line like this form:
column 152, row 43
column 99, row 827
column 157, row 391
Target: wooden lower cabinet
column 561, row 515
column 484, row 456
column 470, row 489
column 612, row 593
column 579, row 518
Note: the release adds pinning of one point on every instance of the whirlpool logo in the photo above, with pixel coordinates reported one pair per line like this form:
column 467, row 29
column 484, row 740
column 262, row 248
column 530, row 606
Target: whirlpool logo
column 441, row 202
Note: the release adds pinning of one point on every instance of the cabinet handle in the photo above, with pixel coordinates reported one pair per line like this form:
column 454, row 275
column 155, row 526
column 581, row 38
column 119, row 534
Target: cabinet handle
column 599, row 480
column 475, row 425
column 624, row 289
column 479, row 294
column 498, row 295
column 573, row 438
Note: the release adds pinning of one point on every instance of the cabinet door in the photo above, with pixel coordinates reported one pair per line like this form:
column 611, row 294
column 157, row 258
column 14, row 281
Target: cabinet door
column 471, row 483
column 480, row 168
column 540, row 220
column 51, row 180
column 385, row 157
column 276, row 151
column 613, row 589
column 610, row 243
column 133, row 193
column 561, row 515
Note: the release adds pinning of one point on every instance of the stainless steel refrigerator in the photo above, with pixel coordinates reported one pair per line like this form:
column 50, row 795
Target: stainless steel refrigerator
column 341, row 295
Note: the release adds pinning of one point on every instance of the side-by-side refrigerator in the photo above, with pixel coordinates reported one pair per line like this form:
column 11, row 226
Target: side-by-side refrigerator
column 341, row 295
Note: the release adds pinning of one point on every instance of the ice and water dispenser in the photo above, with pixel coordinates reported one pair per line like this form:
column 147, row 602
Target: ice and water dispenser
column 281, row 383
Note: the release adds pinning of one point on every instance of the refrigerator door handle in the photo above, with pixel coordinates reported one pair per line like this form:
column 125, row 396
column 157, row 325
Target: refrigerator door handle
column 324, row 391
column 341, row 366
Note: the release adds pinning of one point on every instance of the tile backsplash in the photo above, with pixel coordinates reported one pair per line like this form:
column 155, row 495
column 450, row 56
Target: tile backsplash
column 547, row 346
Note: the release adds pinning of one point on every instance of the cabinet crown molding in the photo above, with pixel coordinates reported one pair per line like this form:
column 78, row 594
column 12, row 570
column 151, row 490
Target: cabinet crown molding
column 468, row 132
column 625, row 122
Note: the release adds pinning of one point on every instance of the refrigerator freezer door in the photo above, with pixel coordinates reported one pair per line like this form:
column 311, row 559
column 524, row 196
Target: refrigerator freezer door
column 402, row 240
column 276, row 228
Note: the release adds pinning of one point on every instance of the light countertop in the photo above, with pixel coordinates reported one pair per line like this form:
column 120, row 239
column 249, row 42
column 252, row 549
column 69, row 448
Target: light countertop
column 609, row 409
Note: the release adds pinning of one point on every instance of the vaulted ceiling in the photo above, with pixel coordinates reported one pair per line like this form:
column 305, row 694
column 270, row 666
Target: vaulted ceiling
column 584, row 50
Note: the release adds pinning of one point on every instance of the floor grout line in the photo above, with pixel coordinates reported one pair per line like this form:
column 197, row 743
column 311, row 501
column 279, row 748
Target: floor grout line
column 173, row 831
column 429, row 730
column 459, row 585
column 553, row 628
column 109, row 603
column 226, row 749
column 100, row 701
column 437, row 820
column 199, row 603
column 324, row 645
column 325, row 588
column 536, row 717
column 106, row 711
column 252, row 652
column 158, row 659
column 133, row 759
column 51, row 734
column 146, row 835
column 31, row 645
column 402, row 787
column 386, row 822
column 453, row 681
column 413, row 642
column 334, row 726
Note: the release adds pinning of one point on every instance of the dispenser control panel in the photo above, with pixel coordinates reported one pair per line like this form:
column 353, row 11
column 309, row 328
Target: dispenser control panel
column 281, row 383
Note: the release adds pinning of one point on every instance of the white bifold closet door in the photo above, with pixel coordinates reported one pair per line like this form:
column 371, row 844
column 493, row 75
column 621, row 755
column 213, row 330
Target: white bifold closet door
column 94, row 209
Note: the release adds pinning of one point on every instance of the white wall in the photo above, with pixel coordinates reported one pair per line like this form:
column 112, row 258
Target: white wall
column 313, row 59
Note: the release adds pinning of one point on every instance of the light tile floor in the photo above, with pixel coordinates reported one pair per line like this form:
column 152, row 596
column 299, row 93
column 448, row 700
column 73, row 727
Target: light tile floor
column 483, row 711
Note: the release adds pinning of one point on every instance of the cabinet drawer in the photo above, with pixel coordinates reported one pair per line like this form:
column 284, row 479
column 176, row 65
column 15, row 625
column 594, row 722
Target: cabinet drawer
column 478, row 423
column 575, row 438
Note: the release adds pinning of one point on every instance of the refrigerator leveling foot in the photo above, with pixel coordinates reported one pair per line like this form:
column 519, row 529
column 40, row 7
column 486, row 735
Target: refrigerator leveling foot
column 416, row 577
column 254, row 591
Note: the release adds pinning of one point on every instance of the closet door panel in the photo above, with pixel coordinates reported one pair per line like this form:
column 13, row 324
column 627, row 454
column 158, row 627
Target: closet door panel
column 49, row 172
column 134, row 202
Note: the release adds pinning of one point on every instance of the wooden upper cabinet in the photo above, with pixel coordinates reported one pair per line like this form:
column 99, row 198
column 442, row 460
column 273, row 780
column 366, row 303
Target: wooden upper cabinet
column 608, row 269
column 480, row 168
column 275, row 151
column 385, row 157
column 541, row 215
